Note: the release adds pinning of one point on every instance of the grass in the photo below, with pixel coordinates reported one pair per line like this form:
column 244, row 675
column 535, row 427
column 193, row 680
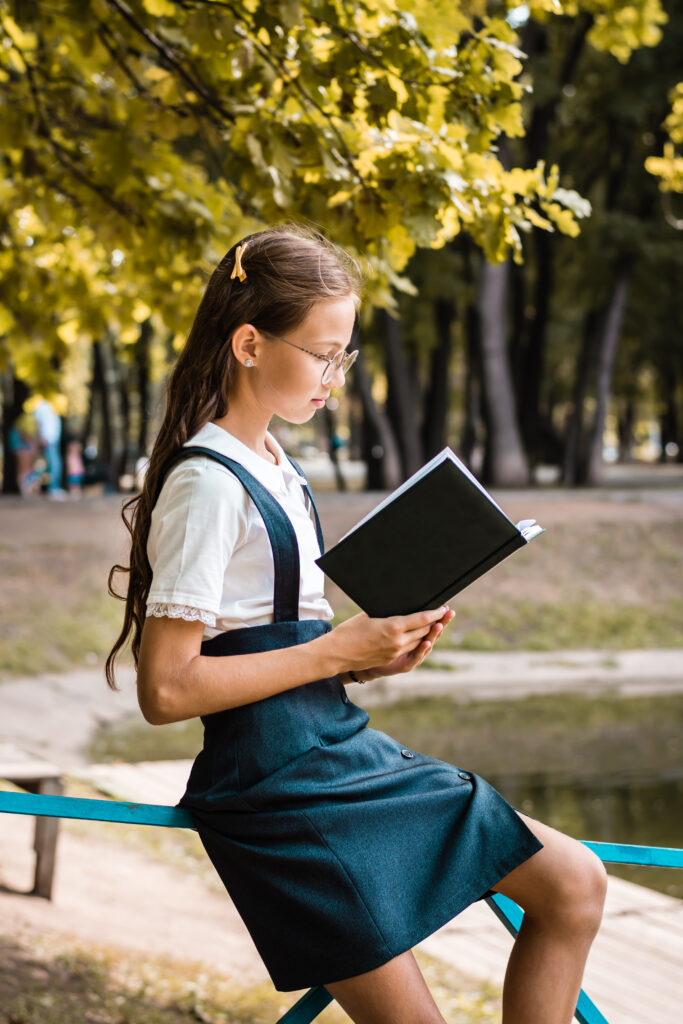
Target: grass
column 565, row 734
column 607, row 584
column 563, row 625
column 571, row 623
column 132, row 739
column 55, row 612
column 52, row 982
column 74, row 634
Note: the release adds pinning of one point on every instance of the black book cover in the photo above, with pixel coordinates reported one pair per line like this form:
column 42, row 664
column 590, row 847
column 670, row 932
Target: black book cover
column 426, row 545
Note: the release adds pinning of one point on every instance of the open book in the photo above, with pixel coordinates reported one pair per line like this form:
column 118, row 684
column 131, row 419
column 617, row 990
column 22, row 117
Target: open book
column 430, row 538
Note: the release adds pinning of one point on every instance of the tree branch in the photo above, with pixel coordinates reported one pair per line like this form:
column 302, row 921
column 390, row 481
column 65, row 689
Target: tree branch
column 170, row 57
column 62, row 153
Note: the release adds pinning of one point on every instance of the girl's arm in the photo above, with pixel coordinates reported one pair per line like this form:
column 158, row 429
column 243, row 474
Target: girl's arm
column 177, row 682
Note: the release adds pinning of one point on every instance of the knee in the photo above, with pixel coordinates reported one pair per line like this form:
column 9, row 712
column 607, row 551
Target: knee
column 582, row 891
column 572, row 897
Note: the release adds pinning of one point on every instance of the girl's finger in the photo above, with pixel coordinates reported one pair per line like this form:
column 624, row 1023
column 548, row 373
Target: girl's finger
column 424, row 630
column 419, row 620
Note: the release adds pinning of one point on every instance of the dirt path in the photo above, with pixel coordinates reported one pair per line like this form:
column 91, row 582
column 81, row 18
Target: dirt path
column 109, row 892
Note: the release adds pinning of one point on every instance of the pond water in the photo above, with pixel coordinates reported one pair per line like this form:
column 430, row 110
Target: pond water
column 601, row 767
column 646, row 811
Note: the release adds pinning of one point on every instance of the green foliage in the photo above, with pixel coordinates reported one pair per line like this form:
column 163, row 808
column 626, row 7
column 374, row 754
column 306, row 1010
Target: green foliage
column 140, row 140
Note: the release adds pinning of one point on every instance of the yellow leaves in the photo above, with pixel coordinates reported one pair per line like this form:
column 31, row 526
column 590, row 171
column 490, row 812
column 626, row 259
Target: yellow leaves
column 521, row 182
column 26, row 41
column 396, row 83
column 621, row 29
column 674, row 122
column 510, row 120
column 28, row 223
column 129, row 335
column 7, row 321
column 340, row 197
column 442, row 21
column 163, row 85
column 450, row 220
column 322, row 46
column 141, row 311
column 159, row 8
column 403, row 130
column 401, row 244
column 68, row 331
column 669, row 167
column 563, row 219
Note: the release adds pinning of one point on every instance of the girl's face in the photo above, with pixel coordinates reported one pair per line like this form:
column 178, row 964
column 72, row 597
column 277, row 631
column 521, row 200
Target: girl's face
column 288, row 381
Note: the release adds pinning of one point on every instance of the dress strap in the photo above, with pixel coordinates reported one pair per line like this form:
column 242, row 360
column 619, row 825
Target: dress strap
column 307, row 490
column 280, row 532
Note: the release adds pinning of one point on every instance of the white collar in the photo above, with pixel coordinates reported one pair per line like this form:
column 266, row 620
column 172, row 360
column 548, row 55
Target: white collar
column 274, row 477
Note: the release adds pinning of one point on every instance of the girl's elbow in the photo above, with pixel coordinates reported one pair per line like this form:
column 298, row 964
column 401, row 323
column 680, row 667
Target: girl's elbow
column 156, row 704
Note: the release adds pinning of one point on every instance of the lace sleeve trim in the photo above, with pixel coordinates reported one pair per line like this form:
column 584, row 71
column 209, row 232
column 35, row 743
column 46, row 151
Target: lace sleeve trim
column 181, row 611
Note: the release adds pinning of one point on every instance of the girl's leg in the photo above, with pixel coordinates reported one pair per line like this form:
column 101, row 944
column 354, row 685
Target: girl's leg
column 562, row 892
column 395, row 993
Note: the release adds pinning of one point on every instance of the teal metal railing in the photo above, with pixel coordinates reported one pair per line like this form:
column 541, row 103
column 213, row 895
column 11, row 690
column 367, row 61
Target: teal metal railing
column 314, row 1001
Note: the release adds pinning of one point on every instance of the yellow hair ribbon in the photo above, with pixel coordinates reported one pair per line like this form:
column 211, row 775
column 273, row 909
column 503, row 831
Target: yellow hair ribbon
column 238, row 270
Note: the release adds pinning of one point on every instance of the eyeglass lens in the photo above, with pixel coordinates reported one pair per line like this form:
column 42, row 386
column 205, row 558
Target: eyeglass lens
column 342, row 361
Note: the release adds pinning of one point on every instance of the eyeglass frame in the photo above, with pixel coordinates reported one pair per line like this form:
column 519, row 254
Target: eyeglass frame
column 347, row 361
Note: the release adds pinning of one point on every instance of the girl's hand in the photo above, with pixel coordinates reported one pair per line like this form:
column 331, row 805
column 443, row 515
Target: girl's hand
column 375, row 647
column 407, row 662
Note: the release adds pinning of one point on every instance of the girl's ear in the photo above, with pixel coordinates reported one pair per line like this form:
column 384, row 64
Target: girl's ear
column 246, row 344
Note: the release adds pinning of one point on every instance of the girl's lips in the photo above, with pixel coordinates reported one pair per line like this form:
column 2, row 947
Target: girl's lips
column 319, row 402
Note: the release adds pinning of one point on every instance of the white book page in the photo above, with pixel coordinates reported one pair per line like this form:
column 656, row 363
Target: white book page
column 529, row 529
column 447, row 453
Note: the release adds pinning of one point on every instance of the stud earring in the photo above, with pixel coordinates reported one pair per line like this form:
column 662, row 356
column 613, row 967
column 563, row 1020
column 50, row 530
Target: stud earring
column 249, row 362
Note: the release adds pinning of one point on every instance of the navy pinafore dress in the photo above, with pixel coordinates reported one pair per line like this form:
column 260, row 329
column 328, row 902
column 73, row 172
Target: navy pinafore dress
column 339, row 847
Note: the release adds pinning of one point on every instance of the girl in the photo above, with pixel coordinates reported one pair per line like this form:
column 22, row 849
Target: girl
column 340, row 848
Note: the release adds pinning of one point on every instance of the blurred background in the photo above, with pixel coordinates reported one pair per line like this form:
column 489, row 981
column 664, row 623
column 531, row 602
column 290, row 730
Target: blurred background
column 509, row 178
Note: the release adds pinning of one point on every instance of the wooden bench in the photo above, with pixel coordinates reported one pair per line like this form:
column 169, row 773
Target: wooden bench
column 40, row 777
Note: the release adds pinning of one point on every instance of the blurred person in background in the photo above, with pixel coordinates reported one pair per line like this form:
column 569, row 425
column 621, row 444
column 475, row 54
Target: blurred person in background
column 75, row 467
column 23, row 443
column 50, row 431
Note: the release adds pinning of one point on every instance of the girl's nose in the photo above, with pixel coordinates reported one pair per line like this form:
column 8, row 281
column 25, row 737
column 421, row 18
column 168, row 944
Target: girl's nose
column 338, row 378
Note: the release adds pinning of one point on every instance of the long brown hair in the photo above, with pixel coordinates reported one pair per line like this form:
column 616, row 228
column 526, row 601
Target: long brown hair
column 288, row 269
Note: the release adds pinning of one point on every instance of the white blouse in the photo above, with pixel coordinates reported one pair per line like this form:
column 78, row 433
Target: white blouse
column 208, row 547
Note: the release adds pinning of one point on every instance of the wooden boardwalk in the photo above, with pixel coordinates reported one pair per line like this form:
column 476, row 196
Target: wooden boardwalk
column 635, row 970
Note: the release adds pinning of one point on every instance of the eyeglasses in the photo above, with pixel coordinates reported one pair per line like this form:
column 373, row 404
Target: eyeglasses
column 342, row 361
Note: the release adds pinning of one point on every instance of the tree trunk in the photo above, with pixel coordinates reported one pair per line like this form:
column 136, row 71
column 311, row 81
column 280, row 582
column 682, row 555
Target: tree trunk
column 507, row 462
column 142, row 366
column 436, row 398
column 15, row 393
column 123, row 384
column 605, row 372
column 333, row 447
column 625, row 430
column 379, row 448
column 574, row 434
column 529, row 393
column 100, row 385
column 473, row 376
column 401, row 397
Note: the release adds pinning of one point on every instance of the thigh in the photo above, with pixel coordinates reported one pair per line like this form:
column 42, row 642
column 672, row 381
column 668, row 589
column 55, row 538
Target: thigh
column 395, row 993
column 563, row 870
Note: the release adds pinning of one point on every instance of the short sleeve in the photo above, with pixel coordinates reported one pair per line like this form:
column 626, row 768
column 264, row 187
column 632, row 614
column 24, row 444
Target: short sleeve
column 197, row 523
